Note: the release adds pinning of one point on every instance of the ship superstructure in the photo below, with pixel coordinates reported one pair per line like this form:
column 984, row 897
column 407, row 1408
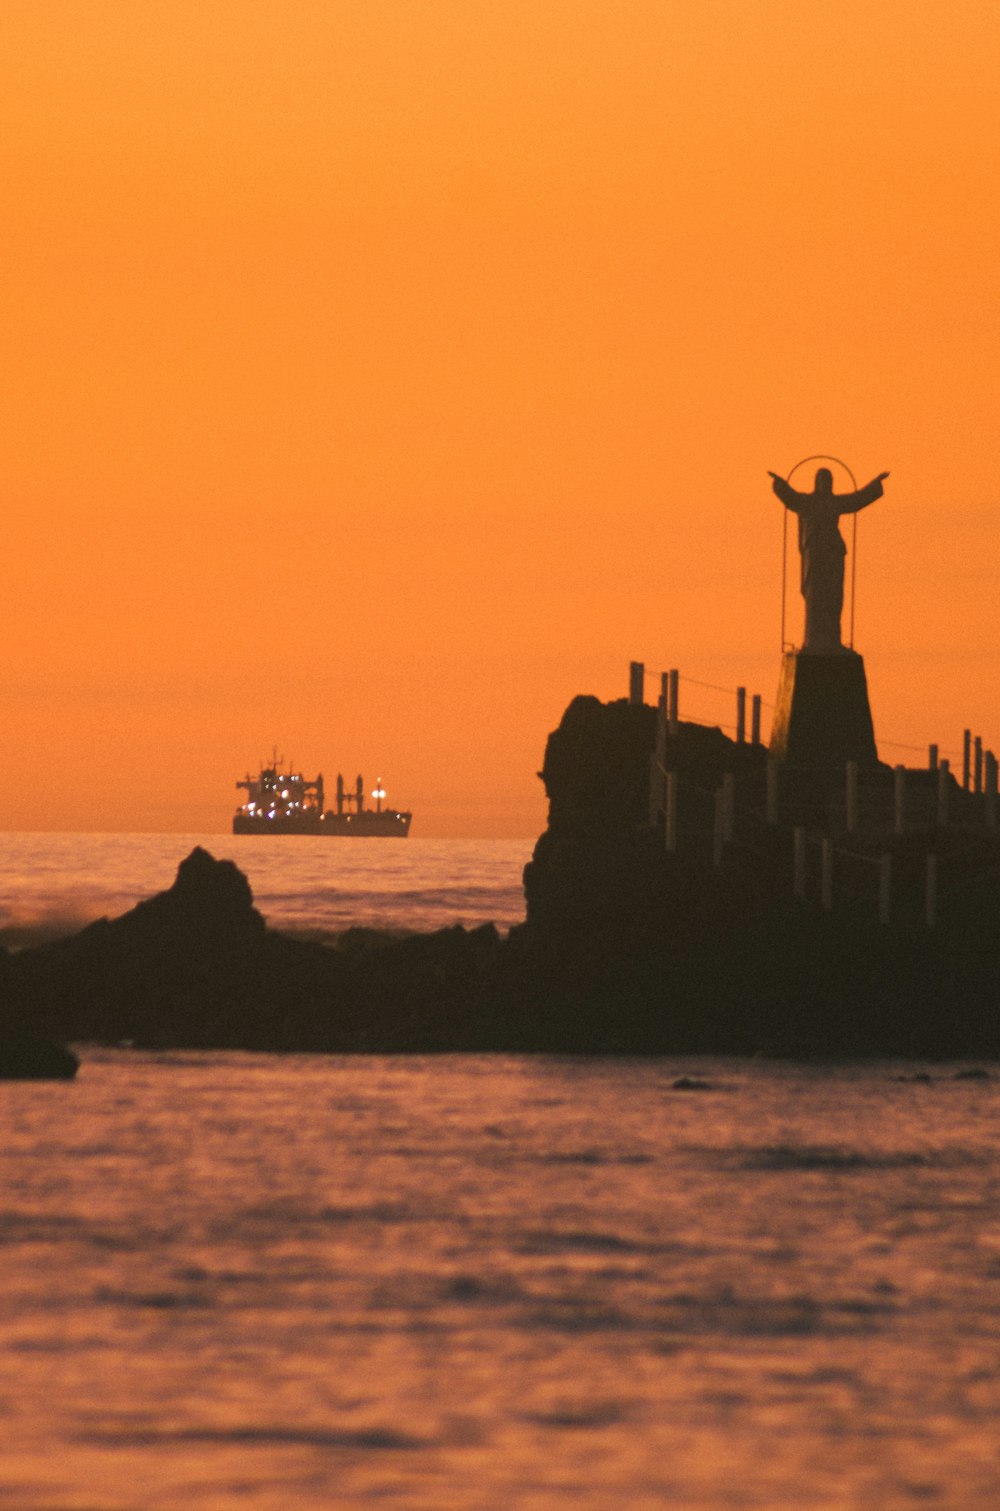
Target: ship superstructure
column 284, row 801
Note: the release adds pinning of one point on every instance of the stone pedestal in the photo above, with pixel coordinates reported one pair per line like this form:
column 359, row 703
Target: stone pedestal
column 822, row 717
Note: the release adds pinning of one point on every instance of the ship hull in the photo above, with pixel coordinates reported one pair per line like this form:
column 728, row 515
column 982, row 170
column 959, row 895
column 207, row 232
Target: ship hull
column 385, row 825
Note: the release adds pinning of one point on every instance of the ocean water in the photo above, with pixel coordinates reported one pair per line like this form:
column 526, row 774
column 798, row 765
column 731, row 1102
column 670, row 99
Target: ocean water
column 498, row 1284
column 475, row 1283
column 52, row 884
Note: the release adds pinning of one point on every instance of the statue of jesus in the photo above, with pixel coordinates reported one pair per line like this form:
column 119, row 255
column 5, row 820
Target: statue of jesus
column 822, row 549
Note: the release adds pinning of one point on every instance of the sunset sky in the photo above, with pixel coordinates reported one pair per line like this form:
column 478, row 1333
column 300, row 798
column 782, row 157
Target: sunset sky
column 379, row 374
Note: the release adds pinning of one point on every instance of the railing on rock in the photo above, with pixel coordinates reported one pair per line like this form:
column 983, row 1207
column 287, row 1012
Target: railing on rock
column 944, row 805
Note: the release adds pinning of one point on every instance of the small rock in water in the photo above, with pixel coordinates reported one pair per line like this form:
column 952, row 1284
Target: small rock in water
column 973, row 1073
column 691, row 1083
column 920, row 1076
column 26, row 1059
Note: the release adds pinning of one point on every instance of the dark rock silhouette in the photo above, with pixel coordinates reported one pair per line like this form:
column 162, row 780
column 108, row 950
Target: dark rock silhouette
column 196, row 966
column 642, row 950
column 25, row 1058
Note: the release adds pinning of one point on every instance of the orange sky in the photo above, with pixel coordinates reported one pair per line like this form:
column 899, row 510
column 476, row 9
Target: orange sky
column 376, row 376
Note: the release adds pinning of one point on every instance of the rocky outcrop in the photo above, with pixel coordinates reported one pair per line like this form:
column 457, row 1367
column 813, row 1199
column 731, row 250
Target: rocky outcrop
column 24, row 1057
column 645, row 950
column 196, row 966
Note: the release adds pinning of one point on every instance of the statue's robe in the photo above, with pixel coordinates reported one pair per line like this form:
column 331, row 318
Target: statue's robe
column 822, row 549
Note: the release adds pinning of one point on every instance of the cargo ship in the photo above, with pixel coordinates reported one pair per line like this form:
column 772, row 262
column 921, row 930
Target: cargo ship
column 286, row 802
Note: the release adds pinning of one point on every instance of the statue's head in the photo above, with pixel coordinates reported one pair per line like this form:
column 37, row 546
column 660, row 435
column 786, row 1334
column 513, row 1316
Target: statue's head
column 824, row 480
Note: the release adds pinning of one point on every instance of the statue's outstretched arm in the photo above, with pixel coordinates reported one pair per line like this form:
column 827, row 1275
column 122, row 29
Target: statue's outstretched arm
column 787, row 493
column 850, row 503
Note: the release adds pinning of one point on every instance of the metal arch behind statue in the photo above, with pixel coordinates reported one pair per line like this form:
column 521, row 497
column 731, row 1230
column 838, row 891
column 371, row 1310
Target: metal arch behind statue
column 784, row 542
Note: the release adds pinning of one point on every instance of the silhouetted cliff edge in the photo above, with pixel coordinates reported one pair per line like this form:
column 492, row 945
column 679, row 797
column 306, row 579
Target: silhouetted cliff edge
column 645, row 949
column 627, row 948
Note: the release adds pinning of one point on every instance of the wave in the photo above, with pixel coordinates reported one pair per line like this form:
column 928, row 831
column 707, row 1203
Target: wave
column 24, row 928
column 387, row 1438
column 54, row 885
column 321, row 917
column 838, row 1159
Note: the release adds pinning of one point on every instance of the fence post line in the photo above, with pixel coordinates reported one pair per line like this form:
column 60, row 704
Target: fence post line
column 930, row 891
column 741, row 716
column 772, row 791
column 977, row 766
column 636, row 681
column 827, row 882
column 799, row 862
column 717, row 830
column 932, row 758
column 755, row 720
column 671, row 833
column 944, row 773
column 899, row 800
column 673, row 714
column 966, row 758
column 728, row 807
column 884, row 888
column 852, row 797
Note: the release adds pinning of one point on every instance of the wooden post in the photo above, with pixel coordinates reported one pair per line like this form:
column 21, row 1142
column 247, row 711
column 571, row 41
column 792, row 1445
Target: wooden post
column 931, row 891
column 672, row 811
column 636, row 682
column 884, row 888
column 655, row 790
column 755, row 720
column 977, row 766
column 827, row 882
column 717, row 830
column 990, row 804
column 899, row 800
column 741, row 715
column 799, row 863
column 852, row 797
column 657, row 765
column 944, row 776
column 966, row 757
column 728, row 807
column 664, row 691
column 932, row 758
column 673, row 714
column 772, row 791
